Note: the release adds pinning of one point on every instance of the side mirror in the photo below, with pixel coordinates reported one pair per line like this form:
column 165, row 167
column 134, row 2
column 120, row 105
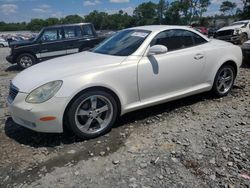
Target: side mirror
column 157, row 49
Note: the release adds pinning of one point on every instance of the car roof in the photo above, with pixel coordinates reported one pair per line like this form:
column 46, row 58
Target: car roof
column 154, row 28
column 68, row 25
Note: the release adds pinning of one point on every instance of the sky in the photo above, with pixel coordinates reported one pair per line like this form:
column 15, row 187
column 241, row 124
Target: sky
column 24, row 10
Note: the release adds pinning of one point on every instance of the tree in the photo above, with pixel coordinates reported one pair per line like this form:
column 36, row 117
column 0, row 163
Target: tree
column 71, row 19
column 145, row 13
column 227, row 7
column 99, row 19
column 198, row 7
column 245, row 13
column 161, row 8
column 36, row 24
column 52, row 21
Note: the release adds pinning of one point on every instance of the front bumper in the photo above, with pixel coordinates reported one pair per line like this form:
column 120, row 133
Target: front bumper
column 229, row 38
column 28, row 115
column 10, row 59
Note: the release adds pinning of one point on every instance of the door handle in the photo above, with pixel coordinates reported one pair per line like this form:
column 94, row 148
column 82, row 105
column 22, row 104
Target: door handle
column 198, row 56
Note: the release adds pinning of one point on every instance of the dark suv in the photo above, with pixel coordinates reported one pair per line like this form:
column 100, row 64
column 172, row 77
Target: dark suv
column 52, row 42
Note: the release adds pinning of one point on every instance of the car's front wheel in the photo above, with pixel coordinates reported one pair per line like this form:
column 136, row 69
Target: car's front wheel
column 224, row 80
column 243, row 38
column 26, row 60
column 1, row 45
column 92, row 114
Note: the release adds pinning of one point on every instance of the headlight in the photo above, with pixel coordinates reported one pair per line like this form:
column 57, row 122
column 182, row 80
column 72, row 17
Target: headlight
column 44, row 92
column 236, row 32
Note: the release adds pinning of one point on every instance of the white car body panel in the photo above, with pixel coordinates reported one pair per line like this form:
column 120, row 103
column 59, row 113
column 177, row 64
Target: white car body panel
column 138, row 80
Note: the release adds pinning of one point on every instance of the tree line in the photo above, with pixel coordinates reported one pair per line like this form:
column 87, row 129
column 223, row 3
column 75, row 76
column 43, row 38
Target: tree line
column 180, row 12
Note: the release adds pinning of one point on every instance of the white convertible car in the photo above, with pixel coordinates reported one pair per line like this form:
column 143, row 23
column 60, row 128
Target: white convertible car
column 134, row 69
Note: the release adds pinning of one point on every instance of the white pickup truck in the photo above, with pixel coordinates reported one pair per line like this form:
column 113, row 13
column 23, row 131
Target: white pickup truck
column 237, row 32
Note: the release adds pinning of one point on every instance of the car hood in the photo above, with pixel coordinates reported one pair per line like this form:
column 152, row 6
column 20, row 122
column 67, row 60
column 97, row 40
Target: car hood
column 231, row 27
column 60, row 68
column 21, row 43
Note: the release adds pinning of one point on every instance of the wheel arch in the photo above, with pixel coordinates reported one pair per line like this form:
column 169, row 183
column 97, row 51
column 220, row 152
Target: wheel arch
column 94, row 88
column 227, row 62
column 24, row 52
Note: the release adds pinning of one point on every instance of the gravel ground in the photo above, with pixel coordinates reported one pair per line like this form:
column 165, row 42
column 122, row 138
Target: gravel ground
column 198, row 141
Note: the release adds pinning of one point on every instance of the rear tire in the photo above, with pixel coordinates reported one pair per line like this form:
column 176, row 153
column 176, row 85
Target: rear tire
column 92, row 114
column 26, row 60
column 1, row 45
column 224, row 80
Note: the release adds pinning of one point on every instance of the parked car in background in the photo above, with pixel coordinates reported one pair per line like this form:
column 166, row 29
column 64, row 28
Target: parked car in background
column 212, row 31
column 202, row 30
column 52, row 42
column 246, row 50
column 3, row 43
column 135, row 68
column 237, row 32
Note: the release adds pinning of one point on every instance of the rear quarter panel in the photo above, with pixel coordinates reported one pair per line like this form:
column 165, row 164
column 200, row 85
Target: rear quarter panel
column 217, row 53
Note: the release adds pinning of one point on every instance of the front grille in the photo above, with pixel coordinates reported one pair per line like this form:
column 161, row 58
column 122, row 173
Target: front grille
column 224, row 33
column 13, row 91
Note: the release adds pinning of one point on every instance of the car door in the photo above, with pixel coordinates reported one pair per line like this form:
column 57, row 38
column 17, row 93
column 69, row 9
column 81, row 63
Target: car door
column 177, row 70
column 51, row 43
column 72, row 35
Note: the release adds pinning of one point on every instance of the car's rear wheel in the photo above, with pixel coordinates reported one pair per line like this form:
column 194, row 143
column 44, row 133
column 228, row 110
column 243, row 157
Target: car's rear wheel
column 1, row 45
column 26, row 60
column 224, row 80
column 92, row 114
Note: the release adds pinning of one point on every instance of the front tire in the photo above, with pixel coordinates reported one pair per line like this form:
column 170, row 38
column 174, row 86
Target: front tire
column 26, row 60
column 243, row 38
column 92, row 114
column 224, row 80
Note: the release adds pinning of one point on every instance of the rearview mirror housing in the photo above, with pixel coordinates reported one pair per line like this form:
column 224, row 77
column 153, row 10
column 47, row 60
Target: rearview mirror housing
column 157, row 49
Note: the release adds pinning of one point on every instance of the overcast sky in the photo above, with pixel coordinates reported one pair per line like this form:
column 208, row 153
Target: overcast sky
column 24, row 10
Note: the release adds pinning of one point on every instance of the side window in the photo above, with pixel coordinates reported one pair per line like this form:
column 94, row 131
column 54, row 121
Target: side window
column 69, row 32
column 177, row 39
column 51, row 35
column 87, row 30
column 198, row 39
column 78, row 31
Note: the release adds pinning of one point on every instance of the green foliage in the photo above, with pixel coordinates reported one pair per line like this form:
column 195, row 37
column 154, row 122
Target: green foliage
column 145, row 14
column 227, row 7
column 179, row 12
column 36, row 24
column 99, row 19
column 245, row 13
column 71, row 19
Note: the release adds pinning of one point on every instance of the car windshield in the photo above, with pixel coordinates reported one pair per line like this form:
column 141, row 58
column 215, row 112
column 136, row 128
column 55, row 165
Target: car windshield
column 123, row 43
column 240, row 23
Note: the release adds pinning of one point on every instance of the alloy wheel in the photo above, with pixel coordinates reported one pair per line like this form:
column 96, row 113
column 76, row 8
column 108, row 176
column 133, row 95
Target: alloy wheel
column 225, row 80
column 94, row 114
column 26, row 61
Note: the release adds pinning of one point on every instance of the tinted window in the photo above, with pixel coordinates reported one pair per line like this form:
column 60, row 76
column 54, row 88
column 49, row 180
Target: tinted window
column 51, row 35
column 198, row 39
column 87, row 30
column 123, row 43
column 177, row 39
column 72, row 32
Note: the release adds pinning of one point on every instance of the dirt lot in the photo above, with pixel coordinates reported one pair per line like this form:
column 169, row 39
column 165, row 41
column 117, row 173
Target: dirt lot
column 198, row 141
